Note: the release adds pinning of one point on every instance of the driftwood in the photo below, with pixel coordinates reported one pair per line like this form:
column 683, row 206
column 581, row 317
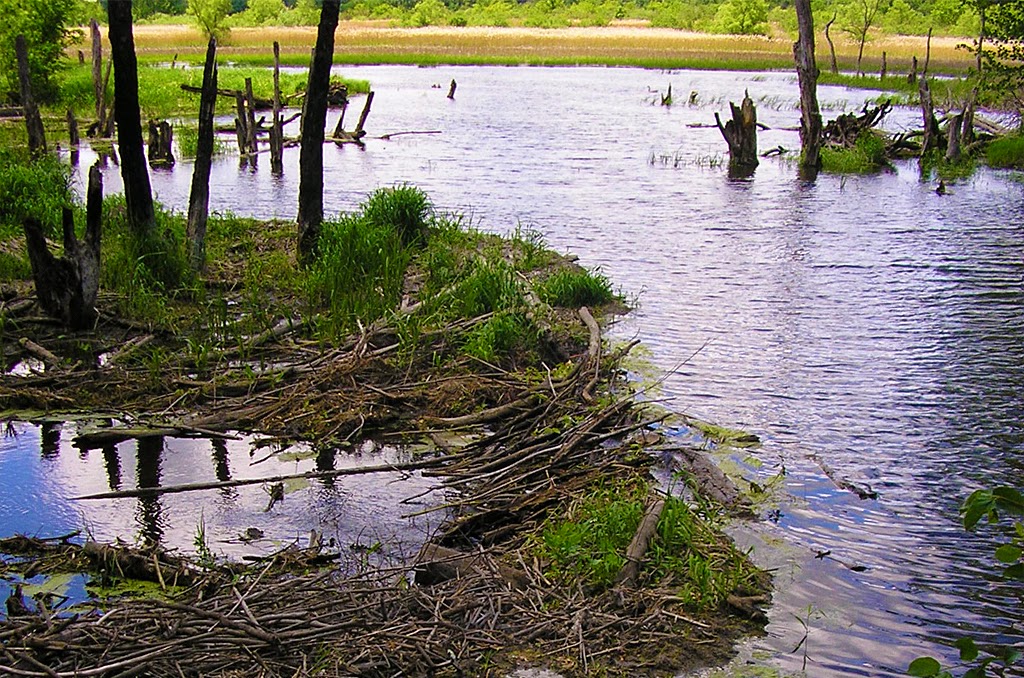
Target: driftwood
column 67, row 287
column 436, row 564
column 340, row 136
column 844, row 130
column 740, row 134
column 641, row 540
column 33, row 123
column 233, row 94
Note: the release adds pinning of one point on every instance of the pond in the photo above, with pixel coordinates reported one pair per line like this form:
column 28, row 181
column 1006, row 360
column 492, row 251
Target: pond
column 864, row 324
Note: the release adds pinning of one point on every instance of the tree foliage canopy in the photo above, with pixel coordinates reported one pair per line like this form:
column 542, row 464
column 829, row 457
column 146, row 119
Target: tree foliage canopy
column 49, row 27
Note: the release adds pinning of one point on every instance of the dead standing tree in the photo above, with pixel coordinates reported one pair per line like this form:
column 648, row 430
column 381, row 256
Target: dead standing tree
column 138, row 194
column 33, row 123
column 314, row 118
column 199, row 198
column 741, row 135
column 67, row 287
column 807, row 75
column 276, row 127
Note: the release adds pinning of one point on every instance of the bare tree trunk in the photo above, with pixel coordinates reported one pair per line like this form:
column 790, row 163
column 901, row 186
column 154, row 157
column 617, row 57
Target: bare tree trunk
column 138, row 194
column 860, row 53
column 927, row 54
column 33, row 123
column 311, row 153
column 241, row 121
column 276, row 131
column 885, row 67
column 250, row 121
column 741, row 135
column 981, row 34
column 73, row 139
column 161, row 140
column 953, row 134
column 967, row 135
column 807, row 75
column 358, row 133
column 199, row 198
column 453, row 85
column 912, row 76
column 831, row 46
column 67, row 287
column 97, row 68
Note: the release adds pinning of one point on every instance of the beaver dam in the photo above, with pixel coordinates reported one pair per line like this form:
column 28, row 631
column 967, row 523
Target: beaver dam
column 482, row 358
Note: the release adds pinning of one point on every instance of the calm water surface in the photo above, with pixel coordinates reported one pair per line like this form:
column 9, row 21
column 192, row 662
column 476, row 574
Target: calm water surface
column 866, row 323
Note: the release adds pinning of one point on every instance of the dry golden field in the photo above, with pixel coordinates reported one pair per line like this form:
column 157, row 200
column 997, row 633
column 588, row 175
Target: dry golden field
column 626, row 43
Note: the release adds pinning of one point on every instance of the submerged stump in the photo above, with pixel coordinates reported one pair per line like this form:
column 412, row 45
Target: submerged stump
column 741, row 135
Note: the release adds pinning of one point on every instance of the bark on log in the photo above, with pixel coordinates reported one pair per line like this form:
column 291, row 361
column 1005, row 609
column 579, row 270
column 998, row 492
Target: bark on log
column 67, row 287
column 953, row 133
column 314, row 118
column 161, row 140
column 276, row 128
column 641, row 541
column 741, row 135
column 33, row 123
column 807, row 75
column 138, row 193
column 199, row 197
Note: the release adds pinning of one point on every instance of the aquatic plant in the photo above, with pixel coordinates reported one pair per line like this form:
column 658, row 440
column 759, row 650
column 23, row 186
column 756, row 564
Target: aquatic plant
column 406, row 209
column 576, row 287
column 1006, row 151
column 865, row 156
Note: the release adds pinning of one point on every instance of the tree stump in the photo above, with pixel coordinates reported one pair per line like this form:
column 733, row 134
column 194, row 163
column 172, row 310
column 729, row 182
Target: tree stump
column 451, row 89
column 161, row 138
column 953, row 137
column 67, row 287
column 741, row 135
column 276, row 127
column 932, row 133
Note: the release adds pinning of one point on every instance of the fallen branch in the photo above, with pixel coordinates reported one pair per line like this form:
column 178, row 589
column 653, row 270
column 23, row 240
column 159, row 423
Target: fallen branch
column 641, row 540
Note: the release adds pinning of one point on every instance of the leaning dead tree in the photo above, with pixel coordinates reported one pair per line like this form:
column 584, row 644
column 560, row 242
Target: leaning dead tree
column 138, row 194
column 844, row 130
column 199, row 197
column 33, row 123
column 741, row 135
column 314, row 118
column 67, row 287
column 807, row 75
column 340, row 136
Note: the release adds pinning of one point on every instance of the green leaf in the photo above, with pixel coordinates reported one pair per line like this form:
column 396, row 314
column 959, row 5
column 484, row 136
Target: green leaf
column 968, row 650
column 976, row 672
column 924, row 667
column 1015, row 572
column 979, row 504
column 1010, row 500
column 1011, row 657
column 1008, row 553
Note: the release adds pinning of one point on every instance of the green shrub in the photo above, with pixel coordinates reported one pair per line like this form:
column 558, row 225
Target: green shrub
column 1006, row 152
column 574, row 288
column 405, row 209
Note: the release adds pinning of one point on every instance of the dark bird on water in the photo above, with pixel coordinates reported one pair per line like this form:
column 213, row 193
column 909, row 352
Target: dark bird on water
column 941, row 189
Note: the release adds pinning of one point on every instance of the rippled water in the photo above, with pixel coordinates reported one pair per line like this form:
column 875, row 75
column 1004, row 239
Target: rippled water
column 866, row 323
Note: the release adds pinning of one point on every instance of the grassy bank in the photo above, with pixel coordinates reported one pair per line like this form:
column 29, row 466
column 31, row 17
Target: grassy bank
column 616, row 45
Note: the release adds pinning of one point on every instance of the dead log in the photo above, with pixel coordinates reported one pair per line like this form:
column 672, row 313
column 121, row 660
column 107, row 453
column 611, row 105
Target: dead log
column 161, row 139
column 437, row 564
column 47, row 356
column 314, row 118
column 33, row 123
column 276, row 126
column 340, row 136
column 199, row 196
column 741, row 135
column 138, row 194
column 844, row 130
column 67, row 287
column 807, row 75
column 258, row 103
column 641, row 541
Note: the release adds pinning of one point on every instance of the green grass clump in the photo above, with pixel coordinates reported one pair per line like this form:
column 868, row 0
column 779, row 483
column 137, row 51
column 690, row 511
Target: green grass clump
column 867, row 155
column 500, row 335
column 573, row 288
column 588, row 544
column 490, row 286
column 406, row 209
column 358, row 274
column 1006, row 152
